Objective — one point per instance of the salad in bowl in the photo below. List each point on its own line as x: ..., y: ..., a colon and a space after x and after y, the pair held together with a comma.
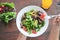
x: 7, y: 11
x: 32, y: 21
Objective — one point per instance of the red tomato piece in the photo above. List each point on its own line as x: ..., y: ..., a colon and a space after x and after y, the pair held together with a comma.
x: 34, y: 32
x: 1, y: 9
x: 42, y: 15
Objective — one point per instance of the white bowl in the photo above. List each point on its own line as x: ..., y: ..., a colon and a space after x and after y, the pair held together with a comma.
x: 21, y: 13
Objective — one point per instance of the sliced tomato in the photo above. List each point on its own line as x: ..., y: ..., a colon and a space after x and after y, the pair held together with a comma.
x: 1, y: 9
x: 34, y: 32
x: 24, y: 28
x: 42, y: 16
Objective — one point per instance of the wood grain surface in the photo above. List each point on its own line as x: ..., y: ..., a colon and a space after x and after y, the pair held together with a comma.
x: 10, y: 32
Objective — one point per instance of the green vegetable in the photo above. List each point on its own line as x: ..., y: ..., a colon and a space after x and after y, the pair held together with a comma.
x: 31, y: 24
x: 35, y: 22
x: 32, y: 10
x: 6, y: 17
x: 43, y: 23
x: 8, y: 4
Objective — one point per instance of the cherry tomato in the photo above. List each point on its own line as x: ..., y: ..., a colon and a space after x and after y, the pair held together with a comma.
x: 1, y: 9
x: 34, y: 32
x: 42, y: 15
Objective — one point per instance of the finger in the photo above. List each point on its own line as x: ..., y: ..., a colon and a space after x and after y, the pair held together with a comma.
x: 54, y: 19
x: 58, y: 19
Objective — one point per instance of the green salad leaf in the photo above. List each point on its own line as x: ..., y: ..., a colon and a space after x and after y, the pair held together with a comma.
x: 8, y: 4
x: 32, y: 22
x: 6, y: 17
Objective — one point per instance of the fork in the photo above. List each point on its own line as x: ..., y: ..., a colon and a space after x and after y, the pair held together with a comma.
x: 51, y: 16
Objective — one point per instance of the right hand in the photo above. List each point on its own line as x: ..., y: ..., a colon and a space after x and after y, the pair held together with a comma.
x: 56, y: 21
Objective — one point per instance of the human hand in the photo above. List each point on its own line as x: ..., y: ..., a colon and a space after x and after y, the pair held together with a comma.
x: 54, y: 34
x: 56, y: 21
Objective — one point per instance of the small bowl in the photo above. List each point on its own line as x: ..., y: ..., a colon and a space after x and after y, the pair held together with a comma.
x: 21, y: 13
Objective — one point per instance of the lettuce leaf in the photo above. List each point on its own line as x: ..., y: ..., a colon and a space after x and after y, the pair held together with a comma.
x: 8, y: 4
x: 6, y: 17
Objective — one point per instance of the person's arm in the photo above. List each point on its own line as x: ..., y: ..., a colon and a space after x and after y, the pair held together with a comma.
x: 21, y: 37
x: 54, y: 34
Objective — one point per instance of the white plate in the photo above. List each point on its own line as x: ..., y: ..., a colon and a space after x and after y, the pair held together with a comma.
x: 19, y: 16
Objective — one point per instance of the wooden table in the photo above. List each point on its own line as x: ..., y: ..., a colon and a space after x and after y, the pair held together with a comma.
x: 10, y: 32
